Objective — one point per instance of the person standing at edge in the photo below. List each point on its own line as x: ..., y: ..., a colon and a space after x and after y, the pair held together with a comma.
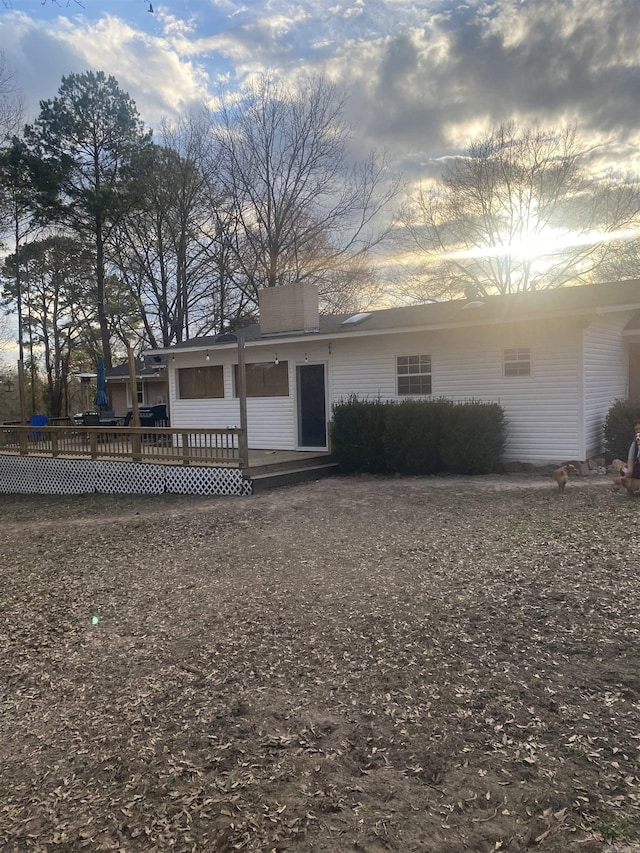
x: 632, y: 468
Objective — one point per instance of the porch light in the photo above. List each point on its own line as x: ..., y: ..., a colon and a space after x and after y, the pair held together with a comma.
x: 306, y: 358
x: 207, y: 356
x: 276, y: 359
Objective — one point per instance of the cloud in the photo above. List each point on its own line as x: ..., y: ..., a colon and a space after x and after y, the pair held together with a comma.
x: 428, y: 89
x: 423, y: 78
x: 150, y: 68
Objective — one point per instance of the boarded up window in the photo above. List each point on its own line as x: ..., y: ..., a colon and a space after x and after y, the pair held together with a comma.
x: 517, y: 361
x: 266, y: 379
x: 199, y: 383
x: 414, y: 374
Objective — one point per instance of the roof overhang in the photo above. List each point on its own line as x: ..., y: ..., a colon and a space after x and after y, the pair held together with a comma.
x: 617, y: 309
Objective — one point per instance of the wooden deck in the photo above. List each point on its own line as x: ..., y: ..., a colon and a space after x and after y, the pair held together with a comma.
x: 163, y: 445
x: 262, y: 461
x: 266, y: 468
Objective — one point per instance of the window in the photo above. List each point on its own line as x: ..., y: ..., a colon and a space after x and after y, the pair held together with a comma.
x: 139, y: 394
x: 199, y: 383
x: 414, y: 374
x: 517, y: 361
x: 265, y: 379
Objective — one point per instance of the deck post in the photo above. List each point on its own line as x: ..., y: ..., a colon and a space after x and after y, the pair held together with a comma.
x: 134, y: 387
x: 243, y: 438
x: 136, y: 437
x: 136, y: 446
x: 22, y: 392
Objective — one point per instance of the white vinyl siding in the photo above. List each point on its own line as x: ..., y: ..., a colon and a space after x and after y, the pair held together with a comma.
x: 553, y: 415
x: 271, y: 420
x: 467, y: 364
x: 605, y: 375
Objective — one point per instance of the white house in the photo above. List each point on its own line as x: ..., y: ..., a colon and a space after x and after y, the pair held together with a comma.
x: 554, y: 359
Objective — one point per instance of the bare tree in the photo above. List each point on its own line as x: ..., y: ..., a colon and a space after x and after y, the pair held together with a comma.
x: 518, y: 211
x: 175, y: 252
x: 11, y: 103
x: 622, y: 261
x: 304, y: 210
x: 7, y: 333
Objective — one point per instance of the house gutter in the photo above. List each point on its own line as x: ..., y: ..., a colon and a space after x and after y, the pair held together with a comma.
x: 614, y: 309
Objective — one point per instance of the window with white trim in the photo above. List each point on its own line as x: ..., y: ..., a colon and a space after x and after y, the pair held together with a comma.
x: 139, y: 394
x: 517, y: 361
x: 413, y: 374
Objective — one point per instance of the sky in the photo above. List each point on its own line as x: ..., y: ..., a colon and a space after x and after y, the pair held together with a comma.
x: 424, y: 77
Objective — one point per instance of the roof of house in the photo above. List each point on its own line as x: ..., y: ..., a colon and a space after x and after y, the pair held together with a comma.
x: 142, y: 372
x: 486, y: 310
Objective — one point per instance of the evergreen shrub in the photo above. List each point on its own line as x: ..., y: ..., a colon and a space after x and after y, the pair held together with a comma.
x: 418, y: 436
x: 618, y: 428
x: 412, y: 432
x: 357, y: 436
x: 473, y: 438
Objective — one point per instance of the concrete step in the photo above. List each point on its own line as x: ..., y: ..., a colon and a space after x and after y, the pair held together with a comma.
x: 289, y: 477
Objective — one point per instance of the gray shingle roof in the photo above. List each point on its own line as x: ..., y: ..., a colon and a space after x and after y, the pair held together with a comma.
x: 460, y: 312
x: 121, y: 371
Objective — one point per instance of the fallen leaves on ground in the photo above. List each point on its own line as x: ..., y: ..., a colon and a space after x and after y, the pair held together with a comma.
x: 368, y: 664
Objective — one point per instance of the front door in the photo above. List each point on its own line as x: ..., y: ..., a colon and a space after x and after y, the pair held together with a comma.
x: 312, y: 406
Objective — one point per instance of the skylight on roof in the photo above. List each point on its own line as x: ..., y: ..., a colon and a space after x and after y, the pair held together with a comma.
x: 356, y: 318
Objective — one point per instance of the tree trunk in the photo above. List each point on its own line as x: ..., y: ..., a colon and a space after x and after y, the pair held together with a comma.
x: 102, y: 313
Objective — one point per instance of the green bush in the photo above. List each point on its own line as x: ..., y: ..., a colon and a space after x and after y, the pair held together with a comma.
x: 357, y: 436
x: 618, y: 428
x: 411, y: 437
x: 418, y: 436
x: 473, y: 438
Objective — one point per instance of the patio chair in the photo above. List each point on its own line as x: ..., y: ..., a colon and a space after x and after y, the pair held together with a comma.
x: 37, y: 421
x: 89, y: 419
x: 108, y: 418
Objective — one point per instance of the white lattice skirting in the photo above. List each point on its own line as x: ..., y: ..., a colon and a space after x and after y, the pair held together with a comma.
x: 41, y: 476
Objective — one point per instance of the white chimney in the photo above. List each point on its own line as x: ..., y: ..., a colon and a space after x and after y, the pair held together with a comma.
x: 289, y: 308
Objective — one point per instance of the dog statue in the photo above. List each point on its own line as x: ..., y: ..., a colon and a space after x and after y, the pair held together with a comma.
x: 561, y: 475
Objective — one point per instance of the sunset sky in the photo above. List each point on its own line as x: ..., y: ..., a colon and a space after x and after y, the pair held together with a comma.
x: 423, y: 77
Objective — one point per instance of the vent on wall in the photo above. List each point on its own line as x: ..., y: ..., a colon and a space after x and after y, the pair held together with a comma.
x: 156, y: 360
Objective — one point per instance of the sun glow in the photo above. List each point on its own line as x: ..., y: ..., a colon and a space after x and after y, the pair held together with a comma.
x: 543, y: 245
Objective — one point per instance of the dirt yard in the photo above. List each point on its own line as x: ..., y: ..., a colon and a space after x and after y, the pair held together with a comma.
x: 366, y: 664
